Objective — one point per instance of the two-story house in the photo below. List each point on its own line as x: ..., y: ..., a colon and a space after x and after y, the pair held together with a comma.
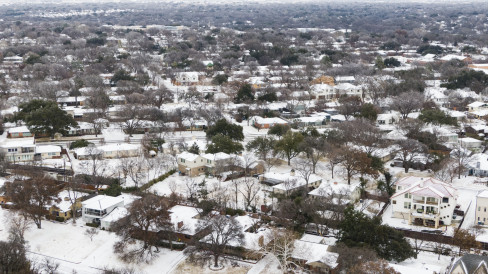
x: 424, y: 201
x: 18, y: 150
x: 98, y: 207
x: 481, y: 214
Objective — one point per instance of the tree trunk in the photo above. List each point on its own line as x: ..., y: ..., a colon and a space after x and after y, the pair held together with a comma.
x: 216, y: 262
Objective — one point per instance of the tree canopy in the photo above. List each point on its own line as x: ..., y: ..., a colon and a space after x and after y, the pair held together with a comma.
x: 227, y: 129
x: 45, y: 117
x: 359, y: 230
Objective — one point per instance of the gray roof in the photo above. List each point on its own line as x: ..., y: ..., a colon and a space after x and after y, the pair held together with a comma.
x: 471, y: 262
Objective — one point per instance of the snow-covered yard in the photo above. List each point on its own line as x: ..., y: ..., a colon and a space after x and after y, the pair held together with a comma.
x: 67, y: 245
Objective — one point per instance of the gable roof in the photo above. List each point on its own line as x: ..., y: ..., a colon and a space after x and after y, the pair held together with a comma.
x: 420, y: 186
x: 470, y: 263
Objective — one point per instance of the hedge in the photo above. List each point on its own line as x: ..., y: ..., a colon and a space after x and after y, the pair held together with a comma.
x: 157, y: 180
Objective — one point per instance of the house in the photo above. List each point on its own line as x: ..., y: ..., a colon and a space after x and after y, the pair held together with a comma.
x: 47, y: 152
x: 62, y: 206
x: 335, y: 195
x: 186, y: 78
x: 110, y: 151
x: 313, y: 121
x: 478, y: 165
x: 185, y: 220
x: 316, y: 257
x: 191, y: 164
x: 475, y: 106
x: 424, y: 201
x: 116, y: 214
x: 386, y: 119
x: 345, y: 79
x: 470, y: 264
x: 19, y: 132
x: 285, y: 183
x: 260, y: 122
x: 72, y: 101
x: 471, y: 144
x: 481, y: 215
x: 94, y: 209
x: 19, y: 150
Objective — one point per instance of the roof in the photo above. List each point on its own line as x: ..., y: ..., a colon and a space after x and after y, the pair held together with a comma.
x: 19, y: 142
x: 428, y: 187
x: 187, y: 156
x: 313, y: 252
x: 111, y: 147
x: 116, y: 214
x: 20, y: 129
x: 483, y: 194
x: 470, y: 262
x: 274, y: 120
x: 185, y: 214
x: 48, y: 148
x: 102, y: 202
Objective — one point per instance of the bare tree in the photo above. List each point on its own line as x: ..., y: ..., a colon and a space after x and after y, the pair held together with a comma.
x: 447, y: 170
x: 461, y: 157
x: 139, y: 230
x: 282, y: 245
x: 408, y: 151
x: 407, y: 102
x: 304, y: 168
x: 250, y: 188
x: 32, y: 197
x: 334, y: 158
x: 17, y: 228
x: 91, y: 232
x: 315, y: 148
x: 223, y: 232
x: 134, y: 168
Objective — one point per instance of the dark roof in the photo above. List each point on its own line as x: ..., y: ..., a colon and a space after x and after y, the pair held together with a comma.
x: 471, y: 262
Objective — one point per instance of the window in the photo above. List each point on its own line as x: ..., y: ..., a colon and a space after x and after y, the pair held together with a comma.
x: 407, y: 205
x: 485, y: 209
x: 182, y: 160
x: 479, y: 208
x: 408, y: 195
x: 394, y: 202
x: 445, y: 200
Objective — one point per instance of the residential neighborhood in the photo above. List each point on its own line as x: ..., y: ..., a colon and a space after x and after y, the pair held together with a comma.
x: 243, y: 137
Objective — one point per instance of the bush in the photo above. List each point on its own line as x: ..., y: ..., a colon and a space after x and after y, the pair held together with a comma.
x: 92, y: 224
x: 60, y: 219
x: 113, y: 190
x: 159, y: 179
x: 233, y: 212
x: 79, y: 143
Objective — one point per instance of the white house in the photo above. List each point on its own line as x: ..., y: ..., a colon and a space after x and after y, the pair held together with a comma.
x: 116, y: 214
x: 471, y: 143
x: 96, y: 208
x: 48, y: 152
x: 481, y: 214
x: 110, y: 151
x: 284, y: 183
x: 18, y: 150
x: 186, y: 78
x: 424, y: 201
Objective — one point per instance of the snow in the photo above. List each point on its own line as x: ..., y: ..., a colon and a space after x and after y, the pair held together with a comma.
x: 187, y: 215
x: 67, y: 245
x: 426, y: 261
x: 268, y: 265
x: 102, y: 202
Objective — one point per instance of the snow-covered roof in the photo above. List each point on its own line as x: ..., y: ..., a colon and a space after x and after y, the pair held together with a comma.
x: 20, y: 142
x: 116, y: 214
x: 107, y: 148
x: 101, y: 202
x: 313, y: 252
x: 20, y: 129
x: 273, y: 120
x: 186, y: 214
x: 427, y: 187
x: 187, y: 156
x: 48, y: 148
x: 483, y: 194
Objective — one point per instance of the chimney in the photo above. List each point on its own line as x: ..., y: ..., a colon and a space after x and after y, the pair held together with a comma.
x: 421, y: 182
x: 292, y: 172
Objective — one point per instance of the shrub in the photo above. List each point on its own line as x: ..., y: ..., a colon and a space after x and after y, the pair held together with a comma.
x: 79, y: 143
x: 92, y: 224
x: 60, y: 219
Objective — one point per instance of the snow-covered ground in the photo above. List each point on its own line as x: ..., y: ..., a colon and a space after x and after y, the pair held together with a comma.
x: 67, y: 245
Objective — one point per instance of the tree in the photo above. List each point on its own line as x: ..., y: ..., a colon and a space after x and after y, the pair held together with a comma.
x: 349, y: 106
x: 351, y: 256
x: 282, y: 244
x: 391, y: 62
x: 408, y: 151
x: 45, y: 117
x: 437, y: 117
x: 359, y: 230
x: 220, y: 79
x: 373, y: 267
x: 223, y: 232
x: 465, y: 241
x: 363, y: 133
x: 387, y: 185
x: 315, y: 147
x: 32, y: 197
x: 289, y: 145
x: 227, y: 129
x: 334, y: 157
x: 461, y: 157
x: 194, y: 149
x: 244, y: 94
x: 262, y: 147
x: 279, y: 130
x: 250, y: 188
x: 407, y: 102
x: 222, y: 143
x: 97, y: 121
x: 355, y: 162
x: 13, y: 258
x: 120, y: 75
x: 139, y: 229
x: 91, y: 232
x: 369, y: 111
